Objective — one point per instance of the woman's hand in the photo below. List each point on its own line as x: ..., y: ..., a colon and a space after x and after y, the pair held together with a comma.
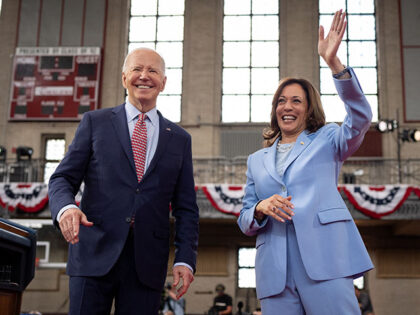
x: 276, y: 207
x: 328, y: 46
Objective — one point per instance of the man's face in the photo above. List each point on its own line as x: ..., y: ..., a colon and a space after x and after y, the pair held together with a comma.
x: 144, y: 78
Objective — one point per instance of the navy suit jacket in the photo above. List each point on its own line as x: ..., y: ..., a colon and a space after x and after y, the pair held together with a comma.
x: 102, y: 157
x: 328, y: 239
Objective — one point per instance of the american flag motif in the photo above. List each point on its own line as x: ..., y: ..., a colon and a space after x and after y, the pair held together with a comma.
x: 139, y: 145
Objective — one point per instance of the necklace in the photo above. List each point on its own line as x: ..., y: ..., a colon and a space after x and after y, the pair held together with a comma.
x: 284, y: 147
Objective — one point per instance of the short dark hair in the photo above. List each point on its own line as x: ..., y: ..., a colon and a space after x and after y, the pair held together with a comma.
x: 220, y: 287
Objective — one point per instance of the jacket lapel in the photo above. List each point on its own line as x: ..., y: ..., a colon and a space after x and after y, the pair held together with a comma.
x: 270, y: 161
x: 301, y: 143
x: 119, y: 121
x: 165, y: 134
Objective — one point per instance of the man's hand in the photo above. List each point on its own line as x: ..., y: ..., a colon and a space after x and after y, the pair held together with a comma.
x: 70, y: 223
x: 187, y: 277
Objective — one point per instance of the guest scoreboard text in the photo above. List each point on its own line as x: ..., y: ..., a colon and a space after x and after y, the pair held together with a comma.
x: 54, y: 83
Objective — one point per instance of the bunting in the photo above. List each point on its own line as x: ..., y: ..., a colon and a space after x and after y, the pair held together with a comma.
x: 373, y: 201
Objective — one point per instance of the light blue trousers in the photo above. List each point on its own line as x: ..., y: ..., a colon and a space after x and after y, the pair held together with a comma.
x: 304, y: 296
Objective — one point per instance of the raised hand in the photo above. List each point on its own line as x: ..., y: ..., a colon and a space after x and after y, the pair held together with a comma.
x: 328, y: 46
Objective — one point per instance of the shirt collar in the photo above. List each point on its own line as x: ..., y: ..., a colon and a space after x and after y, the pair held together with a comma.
x: 132, y: 113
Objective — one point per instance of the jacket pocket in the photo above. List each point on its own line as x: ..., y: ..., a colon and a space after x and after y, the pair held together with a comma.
x: 334, y: 215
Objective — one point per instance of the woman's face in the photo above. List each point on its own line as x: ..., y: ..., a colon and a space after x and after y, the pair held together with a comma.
x: 291, y: 111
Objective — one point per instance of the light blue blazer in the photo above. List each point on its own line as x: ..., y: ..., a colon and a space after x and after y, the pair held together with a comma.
x: 328, y: 239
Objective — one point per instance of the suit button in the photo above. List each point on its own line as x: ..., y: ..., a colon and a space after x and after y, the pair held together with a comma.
x: 137, y: 191
x: 128, y: 219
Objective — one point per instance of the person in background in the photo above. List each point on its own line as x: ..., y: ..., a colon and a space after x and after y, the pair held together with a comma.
x: 364, y: 301
x: 222, y: 303
x: 308, y: 246
x: 172, y: 305
x: 136, y: 166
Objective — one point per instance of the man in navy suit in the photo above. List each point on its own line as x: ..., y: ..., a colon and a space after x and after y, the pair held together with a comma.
x: 119, y: 236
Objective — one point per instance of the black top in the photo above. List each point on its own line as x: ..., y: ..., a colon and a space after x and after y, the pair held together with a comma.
x: 221, y: 302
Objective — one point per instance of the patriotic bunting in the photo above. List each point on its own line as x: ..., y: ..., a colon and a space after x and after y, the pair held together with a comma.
x: 373, y: 201
x: 29, y: 197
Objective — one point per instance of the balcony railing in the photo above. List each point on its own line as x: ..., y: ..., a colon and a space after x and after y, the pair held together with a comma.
x: 371, y: 171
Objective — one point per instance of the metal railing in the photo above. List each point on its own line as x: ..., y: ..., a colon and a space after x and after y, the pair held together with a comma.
x: 371, y: 171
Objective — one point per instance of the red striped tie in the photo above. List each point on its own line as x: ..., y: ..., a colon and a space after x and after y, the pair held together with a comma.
x: 139, y: 145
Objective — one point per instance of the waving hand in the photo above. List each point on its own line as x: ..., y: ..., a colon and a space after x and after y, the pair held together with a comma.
x: 328, y: 46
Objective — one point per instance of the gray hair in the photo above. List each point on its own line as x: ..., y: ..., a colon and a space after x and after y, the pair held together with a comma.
x: 124, y: 67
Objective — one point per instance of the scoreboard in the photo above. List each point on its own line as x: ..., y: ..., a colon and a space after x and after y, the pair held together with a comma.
x: 54, y: 83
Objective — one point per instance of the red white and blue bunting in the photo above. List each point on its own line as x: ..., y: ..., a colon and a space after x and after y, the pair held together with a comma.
x: 225, y: 198
x: 29, y: 197
x: 374, y: 201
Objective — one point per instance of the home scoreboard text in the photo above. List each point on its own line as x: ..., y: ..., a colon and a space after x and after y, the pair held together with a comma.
x: 54, y: 83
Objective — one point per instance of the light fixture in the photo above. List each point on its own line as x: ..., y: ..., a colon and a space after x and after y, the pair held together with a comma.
x: 24, y: 153
x: 387, y: 125
x: 410, y: 135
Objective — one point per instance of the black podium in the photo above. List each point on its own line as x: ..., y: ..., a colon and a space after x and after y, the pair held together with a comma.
x: 17, y: 264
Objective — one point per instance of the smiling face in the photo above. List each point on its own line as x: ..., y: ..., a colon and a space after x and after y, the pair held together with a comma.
x: 144, y: 78
x: 291, y: 112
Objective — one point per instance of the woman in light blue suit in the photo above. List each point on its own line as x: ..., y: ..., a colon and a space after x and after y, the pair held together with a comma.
x: 308, y: 246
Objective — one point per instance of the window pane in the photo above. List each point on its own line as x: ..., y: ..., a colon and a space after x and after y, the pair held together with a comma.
x: 236, y: 54
x: 246, y: 257
x: 373, y: 101
x: 170, y: 106
x: 368, y: 80
x: 142, y: 29
x: 362, y: 54
x: 360, y: 6
x: 171, y: 53
x: 333, y: 108
x: 173, y: 81
x: 265, y: 54
x: 49, y: 170
x: 171, y: 7
x: 265, y: 7
x: 330, y: 6
x: 361, y: 27
x: 236, y: 27
x: 235, y: 81
x: 170, y: 28
x: 264, y: 81
x: 327, y: 82
x: 133, y: 46
x: 237, y: 7
x: 143, y: 7
x: 235, y: 108
x: 265, y: 28
x: 54, y: 149
x: 246, y: 278
x: 261, y: 108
